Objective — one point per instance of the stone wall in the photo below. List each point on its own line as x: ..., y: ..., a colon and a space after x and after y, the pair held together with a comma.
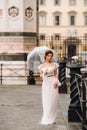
x: 18, y: 31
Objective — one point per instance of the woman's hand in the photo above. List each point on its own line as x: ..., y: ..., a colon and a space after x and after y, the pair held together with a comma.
x: 46, y: 72
x: 55, y: 85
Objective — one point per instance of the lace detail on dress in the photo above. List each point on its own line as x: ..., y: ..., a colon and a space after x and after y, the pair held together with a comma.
x: 49, y: 94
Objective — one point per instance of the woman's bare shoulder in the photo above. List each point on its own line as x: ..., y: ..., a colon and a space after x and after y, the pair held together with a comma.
x: 55, y: 64
x: 41, y: 65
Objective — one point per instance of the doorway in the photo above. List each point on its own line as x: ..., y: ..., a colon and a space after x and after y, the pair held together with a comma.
x: 71, y: 50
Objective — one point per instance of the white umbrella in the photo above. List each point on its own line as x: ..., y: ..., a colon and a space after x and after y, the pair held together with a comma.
x: 74, y: 57
x: 36, y: 57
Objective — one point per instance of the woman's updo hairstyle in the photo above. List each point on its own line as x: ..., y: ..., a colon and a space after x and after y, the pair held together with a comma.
x: 48, y: 52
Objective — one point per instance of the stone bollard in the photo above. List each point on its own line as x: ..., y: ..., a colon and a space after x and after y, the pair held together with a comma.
x: 31, y: 80
x: 62, y: 76
x: 74, y: 95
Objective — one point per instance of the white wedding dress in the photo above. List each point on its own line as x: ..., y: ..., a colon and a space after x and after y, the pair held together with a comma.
x: 49, y: 95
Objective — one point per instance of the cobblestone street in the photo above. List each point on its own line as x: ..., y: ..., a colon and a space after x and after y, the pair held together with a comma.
x: 21, y: 109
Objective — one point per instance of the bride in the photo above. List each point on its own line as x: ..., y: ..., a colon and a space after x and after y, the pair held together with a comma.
x: 49, y: 74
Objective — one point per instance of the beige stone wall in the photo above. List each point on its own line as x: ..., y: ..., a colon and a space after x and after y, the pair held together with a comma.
x: 17, y: 44
x: 29, y: 43
x: 30, y: 24
x: 19, y: 23
x: 13, y: 19
x: 64, y: 28
x: 13, y: 72
x: 17, y: 36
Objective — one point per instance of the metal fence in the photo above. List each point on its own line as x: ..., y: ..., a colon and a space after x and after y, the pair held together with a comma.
x: 70, y: 48
x: 13, y: 73
x: 67, y: 46
x: 17, y: 74
x: 80, y: 91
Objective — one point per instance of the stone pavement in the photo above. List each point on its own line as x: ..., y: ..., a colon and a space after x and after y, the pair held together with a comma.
x: 21, y: 109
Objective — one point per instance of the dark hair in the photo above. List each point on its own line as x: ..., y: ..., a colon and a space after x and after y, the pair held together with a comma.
x: 48, y: 52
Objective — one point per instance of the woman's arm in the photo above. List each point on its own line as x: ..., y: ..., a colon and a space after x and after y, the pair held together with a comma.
x: 56, y: 73
x: 41, y: 74
x: 56, y: 78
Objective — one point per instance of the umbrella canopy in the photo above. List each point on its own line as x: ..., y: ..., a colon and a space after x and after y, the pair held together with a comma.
x: 36, y: 57
x: 74, y: 57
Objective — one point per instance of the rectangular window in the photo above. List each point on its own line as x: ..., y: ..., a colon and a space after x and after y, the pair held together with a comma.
x: 0, y: 12
x: 85, y: 2
x: 57, y: 2
x: 42, y: 20
x: 85, y: 20
x: 56, y: 37
x: 72, y: 2
x: 57, y: 20
x: 72, y: 20
x: 42, y: 36
x: 85, y: 36
x: 42, y: 2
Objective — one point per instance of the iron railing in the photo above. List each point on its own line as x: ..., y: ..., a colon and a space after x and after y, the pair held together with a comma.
x: 83, y: 100
x: 67, y: 46
x: 13, y: 73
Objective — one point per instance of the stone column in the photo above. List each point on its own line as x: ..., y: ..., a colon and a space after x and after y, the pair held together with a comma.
x: 18, y: 32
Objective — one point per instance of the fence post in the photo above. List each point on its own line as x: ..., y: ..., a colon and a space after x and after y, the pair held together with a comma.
x: 74, y: 95
x: 62, y: 77
x: 1, y: 73
x: 31, y: 80
x: 83, y: 102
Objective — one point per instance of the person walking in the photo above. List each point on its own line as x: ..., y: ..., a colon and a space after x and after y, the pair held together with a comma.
x: 49, y: 73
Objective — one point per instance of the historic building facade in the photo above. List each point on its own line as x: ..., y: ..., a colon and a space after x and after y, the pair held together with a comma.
x: 60, y: 20
x: 18, y: 23
x: 18, y: 31
x: 60, y: 17
x: 60, y: 24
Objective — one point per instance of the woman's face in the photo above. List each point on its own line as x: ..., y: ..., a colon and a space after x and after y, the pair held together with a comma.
x: 49, y: 57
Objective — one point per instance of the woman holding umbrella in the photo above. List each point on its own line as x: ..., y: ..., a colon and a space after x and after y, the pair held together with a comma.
x: 49, y: 73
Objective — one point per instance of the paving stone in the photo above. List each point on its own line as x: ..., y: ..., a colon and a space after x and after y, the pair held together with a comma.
x: 21, y: 109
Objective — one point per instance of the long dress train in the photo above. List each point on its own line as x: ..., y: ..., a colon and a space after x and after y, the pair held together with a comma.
x: 49, y: 95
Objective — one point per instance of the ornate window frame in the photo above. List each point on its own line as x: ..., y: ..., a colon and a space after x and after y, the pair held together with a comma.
x: 42, y: 2
x: 72, y: 13
x: 72, y: 2
x: 57, y: 13
x: 85, y: 18
x: 57, y: 2
x: 43, y: 14
x: 85, y: 2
